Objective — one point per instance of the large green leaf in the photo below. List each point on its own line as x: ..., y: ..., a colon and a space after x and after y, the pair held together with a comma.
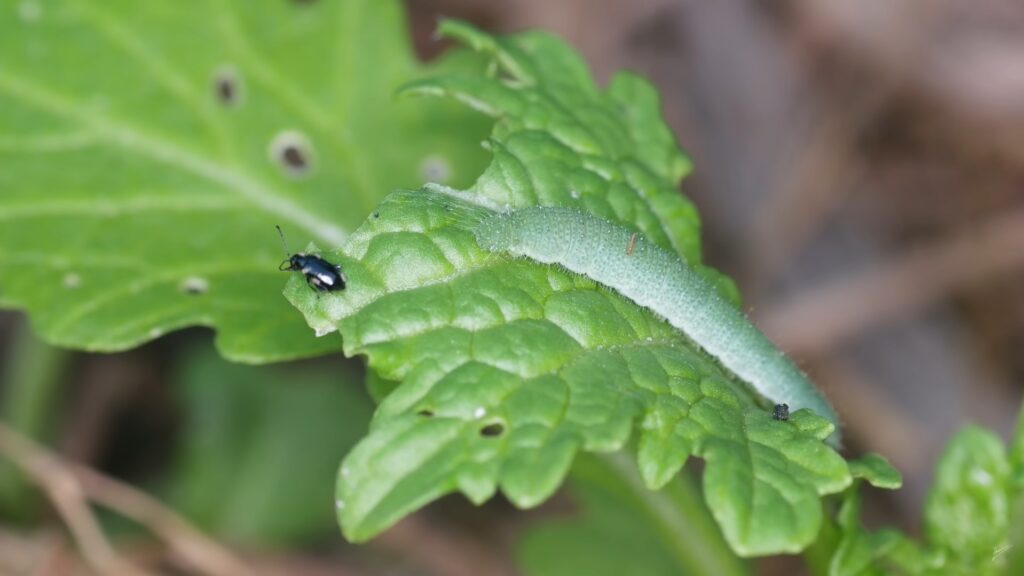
x: 507, y: 368
x: 144, y: 153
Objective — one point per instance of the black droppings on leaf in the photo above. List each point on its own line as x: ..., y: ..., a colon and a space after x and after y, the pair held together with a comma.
x: 426, y: 413
x: 492, y: 430
x: 781, y: 412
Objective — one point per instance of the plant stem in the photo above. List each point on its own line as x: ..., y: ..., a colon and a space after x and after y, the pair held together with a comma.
x: 29, y: 389
x: 818, y: 555
x: 32, y: 380
x: 681, y: 518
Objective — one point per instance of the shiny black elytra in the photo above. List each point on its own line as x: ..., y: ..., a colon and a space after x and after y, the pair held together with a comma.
x: 321, y: 275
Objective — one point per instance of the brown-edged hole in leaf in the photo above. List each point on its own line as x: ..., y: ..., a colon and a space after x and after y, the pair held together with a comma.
x: 293, y: 153
x: 194, y: 286
x: 492, y: 430
x: 435, y: 169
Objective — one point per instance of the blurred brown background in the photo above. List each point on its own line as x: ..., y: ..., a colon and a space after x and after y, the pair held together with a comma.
x: 860, y: 173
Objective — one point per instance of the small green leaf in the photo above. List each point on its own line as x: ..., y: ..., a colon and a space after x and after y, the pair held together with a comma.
x: 858, y: 550
x: 506, y: 369
x: 968, y: 508
x: 877, y: 471
x: 148, y: 149
x: 1017, y: 455
x: 967, y: 517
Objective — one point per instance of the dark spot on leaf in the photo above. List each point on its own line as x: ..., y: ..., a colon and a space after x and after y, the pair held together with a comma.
x: 781, y: 412
x: 492, y: 430
x: 294, y: 158
x: 376, y: 215
x: 293, y: 153
x: 227, y: 86
x: 426, y: 413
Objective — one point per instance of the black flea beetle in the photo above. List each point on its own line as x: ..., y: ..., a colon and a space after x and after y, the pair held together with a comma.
x: 321, y: 274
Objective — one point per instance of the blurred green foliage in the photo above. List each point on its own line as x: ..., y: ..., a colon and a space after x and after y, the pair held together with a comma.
x: 260, y: 446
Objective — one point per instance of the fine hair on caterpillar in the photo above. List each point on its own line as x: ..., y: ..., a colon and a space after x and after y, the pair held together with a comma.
x: 660, y: 281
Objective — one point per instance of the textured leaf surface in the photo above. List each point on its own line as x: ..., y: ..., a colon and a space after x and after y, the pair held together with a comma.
x: 145, y: 151
x: 507, y: 368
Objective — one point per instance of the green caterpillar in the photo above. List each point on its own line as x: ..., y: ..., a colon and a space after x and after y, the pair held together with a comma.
x: 658, y: 280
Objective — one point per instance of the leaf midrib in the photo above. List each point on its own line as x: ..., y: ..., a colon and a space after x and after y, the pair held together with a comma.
x: 135, y: 140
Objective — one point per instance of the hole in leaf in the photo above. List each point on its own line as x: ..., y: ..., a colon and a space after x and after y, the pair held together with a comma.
x: 293, y: 153
x: 30, y: 10
x: 493, y: 430
x: 194, y: 285
x: 435, y: 169
x: 227, y: 86
x: 294, y: 157
x: 72, y: 281
x: 426, y: 413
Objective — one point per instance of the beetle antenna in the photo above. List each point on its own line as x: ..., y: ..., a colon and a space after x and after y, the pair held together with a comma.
x: 283, y: 243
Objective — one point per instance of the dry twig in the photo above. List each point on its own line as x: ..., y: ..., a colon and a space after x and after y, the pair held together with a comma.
x: 68, y: 498
x: 813, y: 323
x: 69, y: 486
